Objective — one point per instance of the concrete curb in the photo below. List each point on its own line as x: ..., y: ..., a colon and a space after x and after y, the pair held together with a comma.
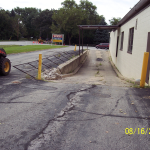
x: 77, y: 69
x: 118, y: 73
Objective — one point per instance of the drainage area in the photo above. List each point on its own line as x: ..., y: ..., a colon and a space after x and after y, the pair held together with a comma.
x: 49, y: 62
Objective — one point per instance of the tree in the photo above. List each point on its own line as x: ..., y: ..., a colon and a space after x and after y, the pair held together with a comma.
x: 90, y: 17
x: 27, y: 16
x: 114, y: 21
x: 66, y: 19
x: 43, y: 23
x: 5, y: 25
x: 12, y: 13
x: 101, y: 36
x: 89, y: 13
x: 32, y: 22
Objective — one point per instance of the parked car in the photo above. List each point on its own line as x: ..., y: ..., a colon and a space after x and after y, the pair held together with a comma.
x: 103, y: 46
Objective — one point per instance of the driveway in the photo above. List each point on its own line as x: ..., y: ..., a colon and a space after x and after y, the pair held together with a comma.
x: 82, y: 112
x: 97, y: 70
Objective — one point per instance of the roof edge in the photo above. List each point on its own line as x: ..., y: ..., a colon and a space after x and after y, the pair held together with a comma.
x: 135, y: 10
x: 97, y: 26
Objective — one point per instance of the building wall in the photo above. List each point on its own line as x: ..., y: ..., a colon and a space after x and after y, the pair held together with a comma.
x: 130, y: 65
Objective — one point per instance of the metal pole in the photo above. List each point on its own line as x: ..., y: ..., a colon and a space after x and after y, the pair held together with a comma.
x: 40, y: 67
x: 144, y: 69
x: 79, y: 41
x: 82, y: 41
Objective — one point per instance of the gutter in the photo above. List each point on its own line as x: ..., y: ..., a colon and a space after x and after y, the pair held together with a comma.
x: 142, y: 4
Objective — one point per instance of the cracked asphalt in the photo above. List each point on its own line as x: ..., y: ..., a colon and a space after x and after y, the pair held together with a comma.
x: 38, y: 115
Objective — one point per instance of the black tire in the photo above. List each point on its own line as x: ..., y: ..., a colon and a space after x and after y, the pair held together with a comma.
x: 5, y: 66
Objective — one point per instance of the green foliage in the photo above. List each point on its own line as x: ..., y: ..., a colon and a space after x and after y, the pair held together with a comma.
x: 97, y: 72
x: 114, y: 21
x: 89, y: 13
x: 66, y: 19
x: 101, y: 36
x: 24, y: 23
x: 6, y: 29
x: 27, y: 16
x: 90, y: 17
x: 43, y: 22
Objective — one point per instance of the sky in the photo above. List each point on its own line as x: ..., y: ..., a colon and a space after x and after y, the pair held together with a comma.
x: 107, y: 8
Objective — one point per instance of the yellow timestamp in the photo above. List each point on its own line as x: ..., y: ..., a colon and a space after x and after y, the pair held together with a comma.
x: 131, y: 131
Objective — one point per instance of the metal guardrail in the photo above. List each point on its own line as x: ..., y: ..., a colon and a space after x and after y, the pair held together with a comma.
x: 52, y: 61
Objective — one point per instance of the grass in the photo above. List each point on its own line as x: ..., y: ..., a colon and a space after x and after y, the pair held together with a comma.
x: 73, y: 56
x: 27, y: 76
x: 58, y: 55
x: 138, y: 86
x: 130, y: 81
x: 97, y: 72
x: 71, y: 71
x: 12, y: 49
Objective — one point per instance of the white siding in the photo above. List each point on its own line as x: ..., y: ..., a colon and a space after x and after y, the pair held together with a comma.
x: 130, y: 65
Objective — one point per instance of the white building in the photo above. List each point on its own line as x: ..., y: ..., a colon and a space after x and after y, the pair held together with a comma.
x: 130, y: 40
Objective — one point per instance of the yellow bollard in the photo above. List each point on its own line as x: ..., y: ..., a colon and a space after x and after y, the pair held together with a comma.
x: 144, y: 69
x: 40, y: 67
x: 75, y: 48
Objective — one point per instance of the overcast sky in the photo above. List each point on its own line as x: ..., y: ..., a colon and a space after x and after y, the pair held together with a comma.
x: 107, y: 8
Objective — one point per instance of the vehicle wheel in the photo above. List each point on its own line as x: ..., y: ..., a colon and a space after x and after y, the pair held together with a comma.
x: 5, y: 66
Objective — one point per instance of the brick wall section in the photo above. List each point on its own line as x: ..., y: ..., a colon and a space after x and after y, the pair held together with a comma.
x: 130, y: 65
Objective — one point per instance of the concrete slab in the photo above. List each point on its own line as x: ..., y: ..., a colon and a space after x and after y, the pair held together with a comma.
x: 97, y: 70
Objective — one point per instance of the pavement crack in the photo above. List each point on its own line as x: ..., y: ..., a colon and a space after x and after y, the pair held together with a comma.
x: 37, y: 135
x: 61, y: 114
x: 49, y: 131
x: 17, y: 103
x: 16, y: 98
x: 106, y: 115
x: 117, y: 102
x: 41, y: 87
x: 81, y: 90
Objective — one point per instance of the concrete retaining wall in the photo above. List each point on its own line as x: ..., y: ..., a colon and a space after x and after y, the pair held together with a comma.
x: 71, y: 65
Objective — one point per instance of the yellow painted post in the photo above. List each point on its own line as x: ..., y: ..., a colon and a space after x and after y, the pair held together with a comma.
x: 144, y: 69
x: 75, y: 48
x: 40, y: 67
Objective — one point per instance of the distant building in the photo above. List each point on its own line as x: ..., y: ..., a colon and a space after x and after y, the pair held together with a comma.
x: 130, y: 40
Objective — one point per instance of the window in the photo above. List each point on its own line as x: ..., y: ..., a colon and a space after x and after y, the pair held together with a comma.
x: 117, y: 46
x: 122, y: 37
x: 130, y: 46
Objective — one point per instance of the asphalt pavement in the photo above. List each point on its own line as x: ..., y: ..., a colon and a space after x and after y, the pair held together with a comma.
x: 38, y: 115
